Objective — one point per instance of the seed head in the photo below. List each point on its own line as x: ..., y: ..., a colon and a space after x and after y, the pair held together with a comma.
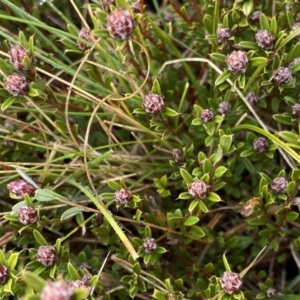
x: 122, y: 196
x: 271, y: 292
x: 278, y: 185
x: 294, y: 61
x: 149, y: 245
x: 59, y: 290
x: 17, y: 54
x: 224, y: 108
x: 84, y: 34
x: 255, y: 16
x: 295, y: 110
x: 198, y: 189
x: 46, y: 255
x: 282, y: 75
x: 120, y: 24
x: 16, y: 85
x: 223, y: 33
x: 206, y: 115
x: 294, y: 27
x: 178, y: 156
x: 230, y: 282
x: 20, y: 188
x: 153, y: 103
x: 27, y: 215
x: 252, y: 98
x: 4, y: 274
x: 265, y: 39
x: 237, y: 62
x: 260, y: 144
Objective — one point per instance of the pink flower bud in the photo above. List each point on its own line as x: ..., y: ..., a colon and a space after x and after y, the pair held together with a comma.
x: 20, y: 188
x: 122, y: 196
x: 16, y: 85
x: 17, y: 54
x: 153, y: 103
x: 46, y: 255
x: 120, y: 24
x: 59, y: 290
x: 230, y: 282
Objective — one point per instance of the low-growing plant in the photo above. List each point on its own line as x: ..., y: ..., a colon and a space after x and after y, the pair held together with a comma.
x: 150, y: 150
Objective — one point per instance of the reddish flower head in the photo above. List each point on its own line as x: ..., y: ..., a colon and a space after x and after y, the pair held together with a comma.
x: 4, y: 274
x: 84, y: 34
x: 46, y: 255
x: 206, y: 115
x: 230, y: 282
x: 17, y: 54
x: 20, y: 188
x: 260, y: 144
x: 153, y: 103
x: 237, y: 62
x: 120, y: 24
x: 149, y: 245
x: 122, y: 196
x: 282, y: 75
x: 198, y: 189
x: 265, y: 39
x: 59, y: 290
x: 223, y: 33
x: 278, y: 185
x: 27, y: 215
x: 16, y: 85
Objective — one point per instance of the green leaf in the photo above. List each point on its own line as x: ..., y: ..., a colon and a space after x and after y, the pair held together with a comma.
x: 226, y: 264
x: 73, y: 273
x: 210, y: 128
x: 44, y: 195
x: 203, y: 207
x: 136, y: 268
x: 36, y: 282
x: 39, y: 238
x: 197, y: 232
x: 289, y: 136
x: 248, y: 45
x: 258, y: 61
x: 7, y: 103
x: 292, y: 216
x: 192, y: 220
x: 193, y: 205
x: 273, y: 26
x: 156, y: 87
x: 213, y: 197
x: 226, y: 142
x: 12, y: 261
x: 220, y: 171
x: 223, y: 77
x: 170, y: 112
x: 284, y: 118
x: 264, y: 24
x: 247, y: 7
x: 114, y: 185
x: 186, y: 176
x: 2, y: 258
x: 218, y: 57
x: 71, y: 212
x: 295, y: 174
x: 185, y: 196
